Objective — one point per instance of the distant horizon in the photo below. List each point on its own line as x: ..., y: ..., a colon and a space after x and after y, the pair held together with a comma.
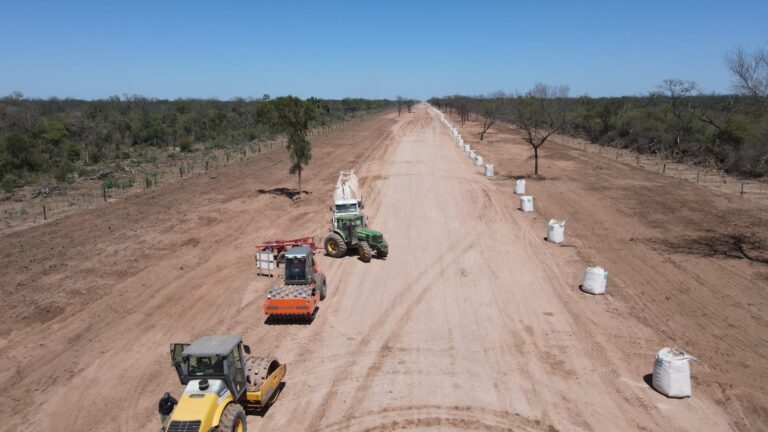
x: 89, y: 50
x: 125, y: 97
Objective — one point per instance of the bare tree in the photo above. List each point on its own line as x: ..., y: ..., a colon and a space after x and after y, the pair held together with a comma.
x: 293, y: 118
x: 679, y: 91
x: 750, y: 70
x: 410, y: 103
x: 491, y: 108
x: 462, y: 107
x: 539, y: 114
x: 400, y: 102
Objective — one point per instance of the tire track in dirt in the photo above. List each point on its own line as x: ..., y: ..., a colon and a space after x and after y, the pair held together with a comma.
x: 377, y: 327
x: 436, y: 416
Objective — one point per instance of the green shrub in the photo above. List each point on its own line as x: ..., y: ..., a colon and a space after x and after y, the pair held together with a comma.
x: 73, y: 152
x: 185, y: 145
x: 63, y: 172
x: 10, y: 182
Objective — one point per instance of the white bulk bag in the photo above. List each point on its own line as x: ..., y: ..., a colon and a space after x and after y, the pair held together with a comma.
x: 520, y: 187
x: 671, y: 373
x: 479, y: 160
x: 466, y: 148
x: 472, y: 154
x: 595, y: 280
x: 556, y: 231
x: 489, y: 170
x: 526, y: 203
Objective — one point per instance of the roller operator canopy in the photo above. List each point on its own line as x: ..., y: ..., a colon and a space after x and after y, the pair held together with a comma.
x: 207, y: 346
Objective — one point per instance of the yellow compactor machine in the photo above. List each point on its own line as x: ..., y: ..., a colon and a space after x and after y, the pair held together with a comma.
x: 223, y: 382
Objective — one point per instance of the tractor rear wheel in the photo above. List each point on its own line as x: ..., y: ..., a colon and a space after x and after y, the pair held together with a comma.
x: 320, y: 281
x: 365, y: 251
x: 335, y: 246
x: 233, y: 419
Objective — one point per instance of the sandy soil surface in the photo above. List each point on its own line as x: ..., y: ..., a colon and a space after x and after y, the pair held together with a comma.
x: 472, y: 322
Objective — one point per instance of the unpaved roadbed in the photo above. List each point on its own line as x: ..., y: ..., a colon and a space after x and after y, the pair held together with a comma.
x: 472, y: 322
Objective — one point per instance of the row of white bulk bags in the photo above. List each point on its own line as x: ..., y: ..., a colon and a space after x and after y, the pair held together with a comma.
x: 468, y: 150
x: 556, y: 231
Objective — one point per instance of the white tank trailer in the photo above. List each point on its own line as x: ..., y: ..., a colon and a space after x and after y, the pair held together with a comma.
x: 347, y: 198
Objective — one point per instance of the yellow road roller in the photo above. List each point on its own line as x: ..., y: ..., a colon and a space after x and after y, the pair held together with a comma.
x: 224, y: 382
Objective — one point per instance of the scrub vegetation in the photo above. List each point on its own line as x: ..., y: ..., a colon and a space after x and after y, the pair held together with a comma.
x: 675, y: 120
x: 59, y: 140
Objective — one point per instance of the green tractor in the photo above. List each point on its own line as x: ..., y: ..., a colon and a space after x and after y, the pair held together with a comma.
x: 350, y: 231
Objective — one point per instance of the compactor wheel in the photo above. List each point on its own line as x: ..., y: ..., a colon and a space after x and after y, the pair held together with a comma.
x: 365, y: 251
x: 335, y: 246
x: 233, y: 419
x: 321, y: 285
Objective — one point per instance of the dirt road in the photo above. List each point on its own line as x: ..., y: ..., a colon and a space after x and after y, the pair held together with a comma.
x: 472, y: 322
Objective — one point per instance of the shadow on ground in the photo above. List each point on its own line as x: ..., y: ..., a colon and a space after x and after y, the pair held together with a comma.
x: 738, y: 246
x: 286, y: 192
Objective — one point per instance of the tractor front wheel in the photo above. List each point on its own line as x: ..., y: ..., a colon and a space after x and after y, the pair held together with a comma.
x: 233, y: 419
x: 335, y: 246
x: 365, y: 251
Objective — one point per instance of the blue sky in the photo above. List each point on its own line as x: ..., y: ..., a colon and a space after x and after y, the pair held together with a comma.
x: 334, y: 49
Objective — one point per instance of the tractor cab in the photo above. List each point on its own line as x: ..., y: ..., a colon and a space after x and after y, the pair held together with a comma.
x: 348, y: 226
x: 299, y: 266
x: 212, y: 362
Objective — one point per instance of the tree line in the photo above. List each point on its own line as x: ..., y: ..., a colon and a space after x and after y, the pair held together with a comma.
x: 675, y: 120
x: 52, y: 138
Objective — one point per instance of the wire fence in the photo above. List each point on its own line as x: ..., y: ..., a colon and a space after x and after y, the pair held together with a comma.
x: 707, y: 177
x: 53, y: 203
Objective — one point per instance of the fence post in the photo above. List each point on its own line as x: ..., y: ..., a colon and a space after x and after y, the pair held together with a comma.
x: 697, y: 176
x: 147, y: 181
x: 638, y: 160
x: 181, y: 171
x: 45, y: 215
x: 664, y: 169
x: 742, y: 190
x: 104, y: 191
x: 617, y: 154
x: 206, y: 166
x: 585, y: 146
